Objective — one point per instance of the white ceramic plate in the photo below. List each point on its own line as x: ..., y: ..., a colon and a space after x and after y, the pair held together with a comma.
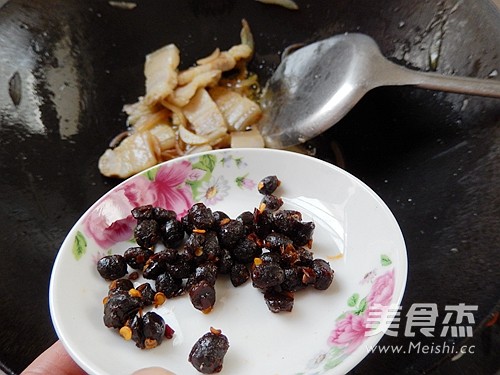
x: 326, y: 333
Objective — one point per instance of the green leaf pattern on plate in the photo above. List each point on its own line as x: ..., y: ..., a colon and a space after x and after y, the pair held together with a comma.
x: 79, y: 245
x: 385, y: 260
x: 206, y: 163
x: 353, y: 300
x: 361, y: 307
x: 151, y: 174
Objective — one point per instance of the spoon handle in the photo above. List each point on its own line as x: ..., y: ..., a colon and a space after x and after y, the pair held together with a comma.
x: 455, y: 84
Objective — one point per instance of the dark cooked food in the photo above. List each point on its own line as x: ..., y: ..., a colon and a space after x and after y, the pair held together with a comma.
x: 207, y: 272
x: 225, y: 261
x: 267, y: 275
x: 269, y: 246
x: 264, y: 223
x: 172, y: 233
x: 136, y: 257
x: 270, y: 202
x: 142, y: 212
x: 163, y: 215
x: 202, y: 295
x: 293, y: 280
x: 112, y: 267
x: 230, y: 233
x: 194, y: 243
x: 153, y: 327
x: 239, y: 274
x: 277, y: 242
x: 154, y: 267
x: 169, y: 286
x: 119, y: 308
x: 324, y: 274
x: 147, y: 294
x: 289, y: 222
x: 207, y: 354
x: 278, y: 301
x: 200, y: 216
x: 120, y: 286
x: 146, y: 331
x: 147, y: 233
x: 268, y: 185
x: 246, y: 250
x: 247, y: 220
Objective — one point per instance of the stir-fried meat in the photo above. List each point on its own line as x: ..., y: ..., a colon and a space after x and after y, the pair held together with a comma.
x: 239, y: 111
x: 178, y: 115
x: 204, y: 115
x: 161, y: 73
x: 133, y: 155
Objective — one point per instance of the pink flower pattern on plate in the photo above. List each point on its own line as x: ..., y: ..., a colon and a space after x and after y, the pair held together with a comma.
x: 111, y: 221
x: 351, y: 328
x: 248, y: 184
x: 349, y: 332
x: 382, y: 290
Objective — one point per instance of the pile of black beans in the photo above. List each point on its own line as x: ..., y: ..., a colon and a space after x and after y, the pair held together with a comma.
x: 123, y: 310
x: 269, y: 246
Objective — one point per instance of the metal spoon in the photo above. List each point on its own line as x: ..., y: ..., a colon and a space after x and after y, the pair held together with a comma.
x: 315, y: 86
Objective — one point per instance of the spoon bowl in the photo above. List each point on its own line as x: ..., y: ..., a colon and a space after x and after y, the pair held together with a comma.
x: 317, y: 85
